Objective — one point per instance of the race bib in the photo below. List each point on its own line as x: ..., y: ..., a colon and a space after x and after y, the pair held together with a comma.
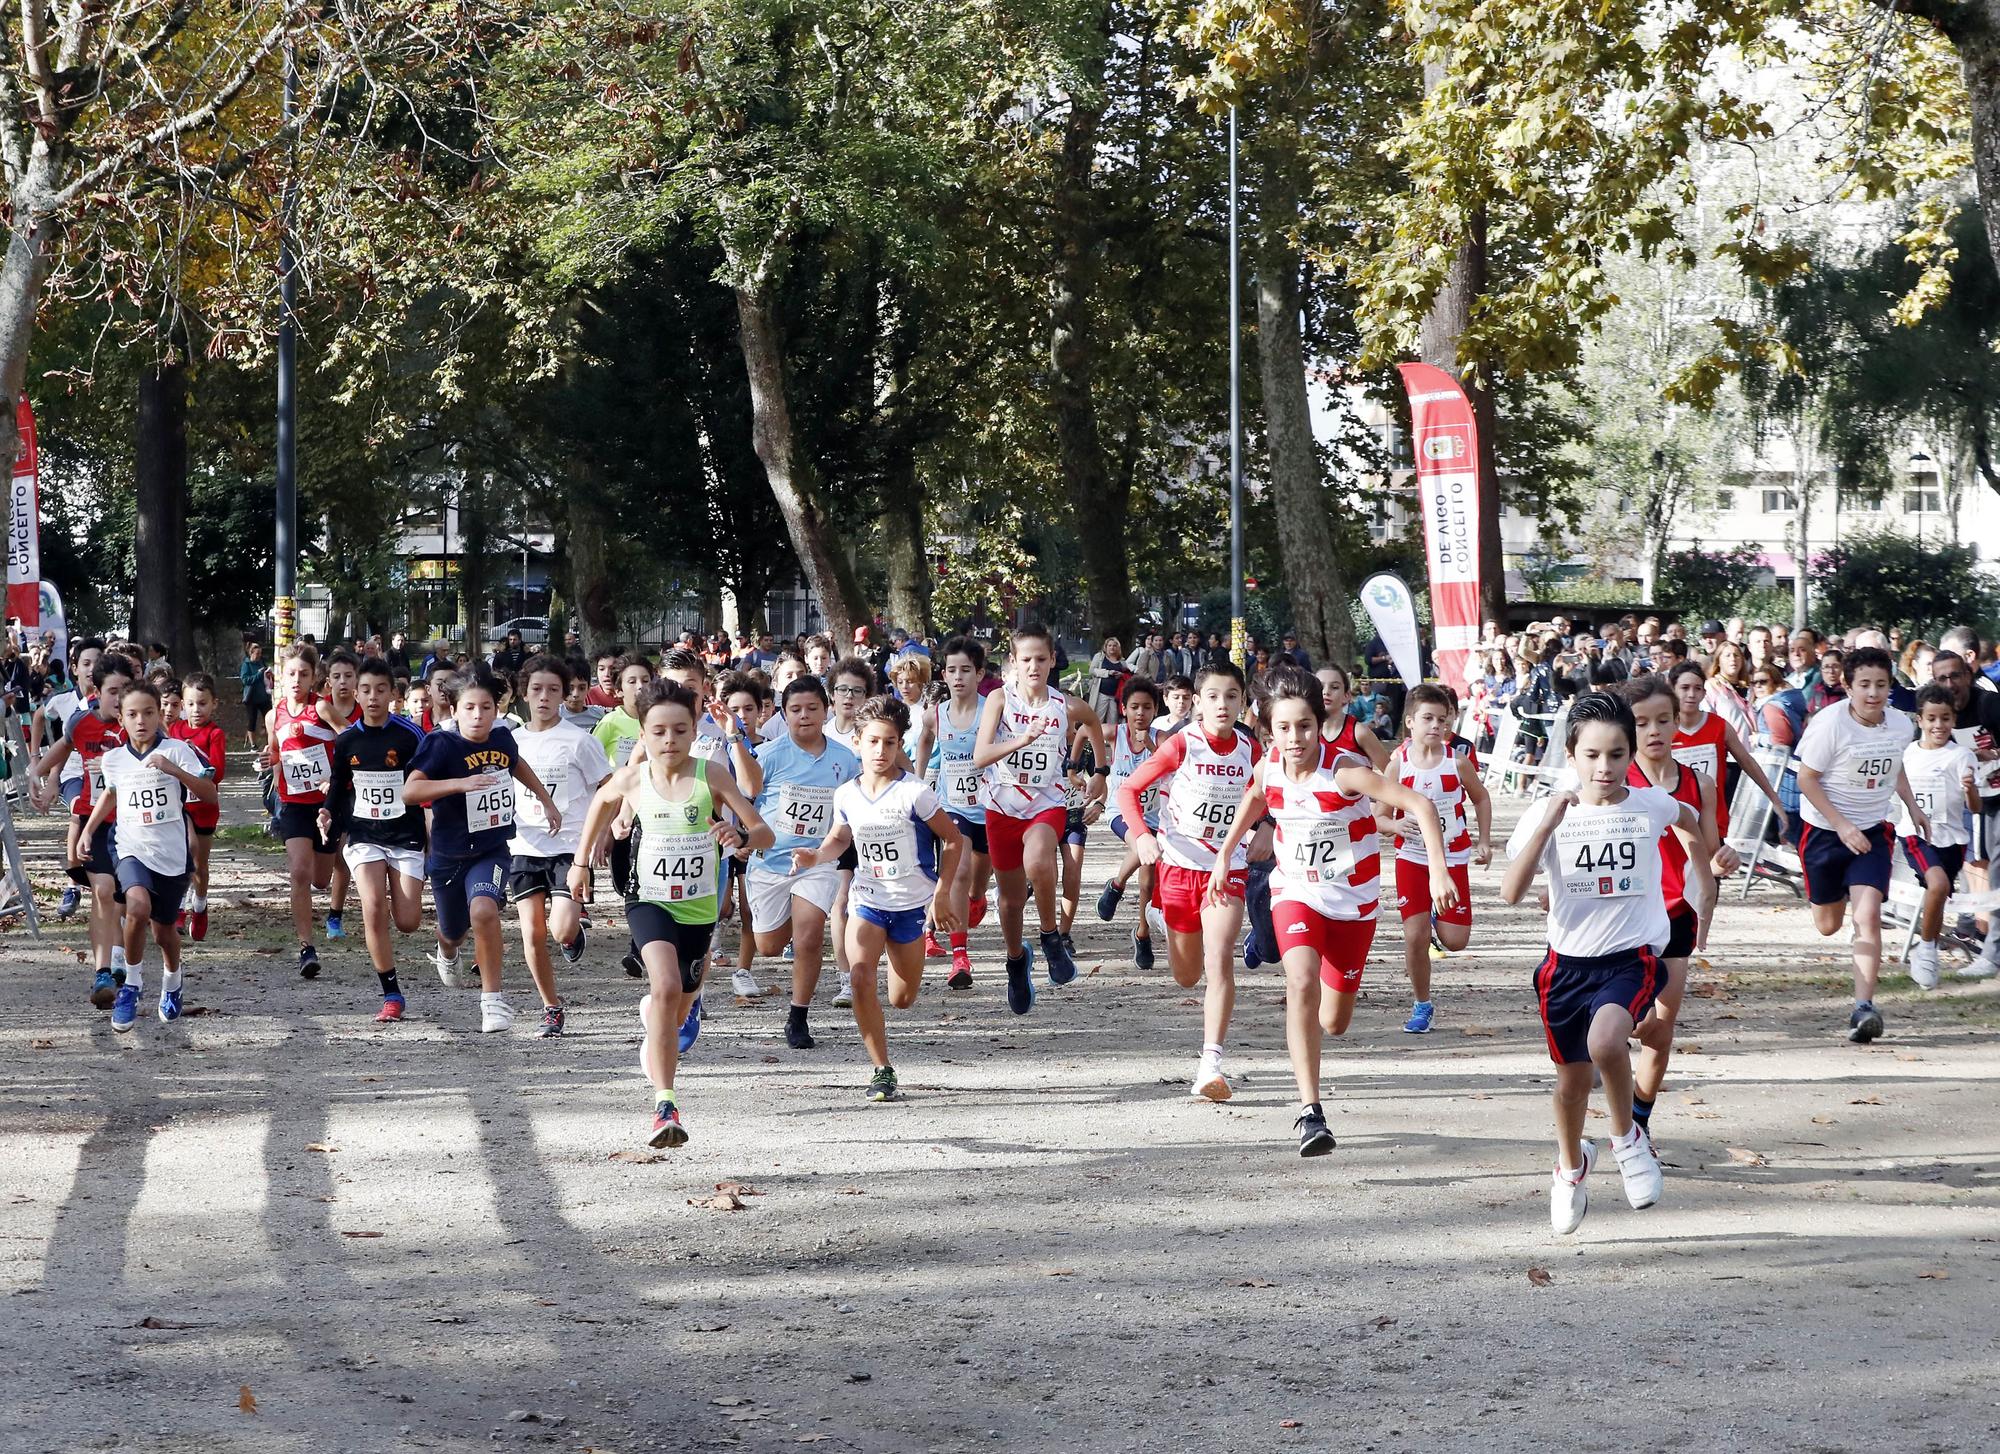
x: 804, y: 812
x: 1320, y: 852
x: 1870, y: 769
x: 961, y: 782
x: 378, y: 796
x: 887, y: 853
x: 1598, y: 855
x: 1985, y: 774
x: 676, y: 866
x: 306, y: 769
x: 146, y: 798
x: 95, y: 772
x: 1205, y: 807
x: 487, y: 809
x: 1701, y: 757
x: 1032, y: 767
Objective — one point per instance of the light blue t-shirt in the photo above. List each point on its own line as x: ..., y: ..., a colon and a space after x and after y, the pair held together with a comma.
x: 797, y: 797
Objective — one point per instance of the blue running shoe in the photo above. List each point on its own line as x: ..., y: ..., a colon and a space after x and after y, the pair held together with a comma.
x: 1142, y: 950
x: 1419, y: 1022
x: 1251, y: 959
x: 691, y: 1026
x: 170, y: 1006
x: 72, y: 896
x: 787, y: 955
x: 125, y: 1009
x: 1056, y: 955
x: 333, y: 927
x: 104, y: 989
x: 1107, y: 901
x: 1020, y: 983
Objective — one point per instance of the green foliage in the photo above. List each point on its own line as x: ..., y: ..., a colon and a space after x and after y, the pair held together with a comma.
x: 1704, y: 584
x: 1887, y: 579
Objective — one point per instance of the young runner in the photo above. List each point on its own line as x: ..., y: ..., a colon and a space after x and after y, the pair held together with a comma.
x: 87, y: 736
x: 170, y: 705
x: 300, y: 750
x: 1850, y: 768
x: 744, y: 704
x: 679, y: 806
x: 793, y: 780
x: 1704, y: 741
x: 1131, y: 744
x: 1078, y: 816
x: 1943, y: 776
x: 46, y: 730
x: 789, y: 668
x: 340, y: 710
x: 1425, y: 763
x: 1687, y: 878
x: 1022, y: 731
x: 466, y: 778
x: 906, y: 851
x: 852, y: 684
x: 1207, y: 768
x: 1343, y: 728
x: 381, y: 836
x: 951, y: 735
x: 1607, y: 923
x: 1326, y: 885
x: 199, y: 729
x: 147, y: 781
x: 616, y: 734
x: 1177, y: 697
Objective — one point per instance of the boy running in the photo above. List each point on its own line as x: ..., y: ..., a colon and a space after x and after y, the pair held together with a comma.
x: 88, y: 735
x: 301, y: 751
x: 340, y: 710
x: 951, y: 731
x: 381, y: 835
x: 46, y: 731
x: 1131, y: 744
x: 1943, y: 777
x: 1850, y: 768
x: 199, y: 730
x: 147, y: 781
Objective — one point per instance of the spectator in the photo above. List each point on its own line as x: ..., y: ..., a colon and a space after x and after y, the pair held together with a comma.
x: 1290, y: 650
x: 1712, y: 637
x: 1803, y: 653
x: 1108, y: 671
x: 256, y: 679
x: 511, y: 656
x: 1832, y: 684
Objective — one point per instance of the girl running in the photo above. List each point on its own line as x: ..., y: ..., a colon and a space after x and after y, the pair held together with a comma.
x: 199, y: 729
x: 1131, y: 744
x: 87, y: 736
x: 678, y: 804
x: 300, y: 751
x: 852, y: 684
x: 339, y: 710
x: 1327, y: 882
x: 1207, y: 770
x: 951, y: 734
x: 1705, y: 742
x: 906, y: 851
x: 1022, y: 732
x: 1343, y: 729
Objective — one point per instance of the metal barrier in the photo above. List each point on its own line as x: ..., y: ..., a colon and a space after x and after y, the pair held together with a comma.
x: 1751, y: 816
x: 17, y: 894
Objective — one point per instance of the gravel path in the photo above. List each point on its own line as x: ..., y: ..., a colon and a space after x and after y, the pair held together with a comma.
x: 275, y: 1228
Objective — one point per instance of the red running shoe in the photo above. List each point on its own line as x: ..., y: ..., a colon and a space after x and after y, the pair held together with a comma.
x: 200, y: 925
x: 976, y: 913
x: 181, y: 922
x: 391, y: 1012
x: 667, y: 1128
x: 933, y: 949
x: 961, y: 971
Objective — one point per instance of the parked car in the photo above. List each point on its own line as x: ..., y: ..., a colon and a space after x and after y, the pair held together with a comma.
x: 534, y: 632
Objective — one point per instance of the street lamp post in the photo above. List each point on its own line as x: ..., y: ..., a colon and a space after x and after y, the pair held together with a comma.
x: 1238, y: 634
x: 287, y: 505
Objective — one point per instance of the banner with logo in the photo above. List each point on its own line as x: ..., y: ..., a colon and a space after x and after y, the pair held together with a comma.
x: 1448, y: 490
x: 53, y: 623
x: 24, y: 528
x: 1389, y: 605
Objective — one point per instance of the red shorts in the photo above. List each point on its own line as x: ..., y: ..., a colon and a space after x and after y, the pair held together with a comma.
x: 1180, y: 893
x: 1005, y: 835
x: 1342, y: 944
x: 1413, y: 885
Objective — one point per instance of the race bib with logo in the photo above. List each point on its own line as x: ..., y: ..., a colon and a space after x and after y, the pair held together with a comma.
x: 1322, y: 853
x: 960, y: 781
x: 1870, y: 769
x: 805, y: 812
x: 1702, y: 757
x: 490, y: 808
x: 674, y: 867
x: 378, y: 796
x: 1597, y: 854
x: 1205, y: 807
x: 1032, y: 767
x: 887, y: 852
x: 306, y: 769
x: 146, y: 798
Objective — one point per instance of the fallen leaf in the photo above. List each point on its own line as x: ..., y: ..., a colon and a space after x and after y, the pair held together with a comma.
x: 1744, y: 1156
x: 1539, y: 1276
x: 812, y: 1438
x: 1868, y: 1100
x: 1385, y: 1321
x: 1476, y: 1030
x: 163, y: 1323
x: 722, y: 1201
x: 1062, y: 1272
x: 360, y: 1234
x: 1936, y: 1274
x: 1824, y: 1121
x: 1290, y: 1424
x: 850, y: 1191
x: 739, y: 1188
x: 41, y: 1044
x: 707, y: 1327
x: 246, y: 1401
x: 729, y: 1401
x: 636, y: 1158
x: 1254, y: 1282
x: 1687, y: 1049
x: 316, y: 1146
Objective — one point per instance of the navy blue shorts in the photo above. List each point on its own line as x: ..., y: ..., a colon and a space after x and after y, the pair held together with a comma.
x: 166, y: 890
x: 1831, y: 870
x: 1075, y: 830
x: 1924, y: 857
x: 1572, y: 988
x: 901, y: 925
x: 1681, y: 926
x: 973, y: 833
x: 301, y: 820
x: 97, y: 856
x: 456, y: 882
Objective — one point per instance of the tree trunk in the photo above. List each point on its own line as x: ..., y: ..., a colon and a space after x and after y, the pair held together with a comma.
x: 903, y: 548
x: 160, y: 482
x: 1320, y: 612
x: 590, y: 574
x: 1444, y: 327
x: 1102, y: 510
x: 22, y: 273
x: 815, y: 538
x: 1801, y: 523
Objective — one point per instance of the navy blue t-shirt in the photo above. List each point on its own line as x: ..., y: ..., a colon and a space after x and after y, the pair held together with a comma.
x: 446, y: 757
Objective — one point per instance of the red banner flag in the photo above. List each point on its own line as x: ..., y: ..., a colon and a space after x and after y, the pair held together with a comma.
x: 1448, y: 490
x: 24, y: 528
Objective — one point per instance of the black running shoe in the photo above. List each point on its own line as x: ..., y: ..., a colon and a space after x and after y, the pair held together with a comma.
x: 1020, y: 984
x: 552, y: 1022
x: 882, y: 1086
x: 1314, y: 1138
x: 572, y: 952
x: 1055, y: 952
x: 797, y: 1035
x: 308, y: 961
x: 1142, y: 950
x: 1864, y: 1024
x: 1107, y: 902
x: 632, y: 965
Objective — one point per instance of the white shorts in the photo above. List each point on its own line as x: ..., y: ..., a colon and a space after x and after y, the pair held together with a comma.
x: 771, y: 894
x: 409, y: 862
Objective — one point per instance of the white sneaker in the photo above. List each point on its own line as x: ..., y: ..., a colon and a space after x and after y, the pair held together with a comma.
x: 845, y: 999
x: 495, y: 1015
x: 1923, y: 965
x: 745, y: 985
x: 1980, y: 967
x: 1156, y: 924
x: 1640, y: 1167
x: 448, y: 970
x: 1569, y: 1200
x: 1210, y: 1084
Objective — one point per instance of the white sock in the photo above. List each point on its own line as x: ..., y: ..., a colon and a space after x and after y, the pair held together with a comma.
x: 200, y: 904
x: 490, y: 997
x: 1628, y: 1138
x: 118, y: 956
x: 1211, y: 1053
x: 170, y: 981
x: 135, y: 976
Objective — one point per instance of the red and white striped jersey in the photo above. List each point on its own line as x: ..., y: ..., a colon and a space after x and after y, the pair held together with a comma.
x: 1444, y: 785
x: 1328, y: 856
x: 1206, y: 788
x: 1030, y: 779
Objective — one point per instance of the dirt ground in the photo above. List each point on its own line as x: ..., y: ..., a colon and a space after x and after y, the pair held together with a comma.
x: 274, y: 1227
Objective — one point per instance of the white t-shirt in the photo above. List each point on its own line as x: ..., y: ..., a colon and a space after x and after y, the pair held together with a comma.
x: 55, y: 713
x: 152, y: 807
x: 896, y: 852
x: 571, y: 763
x: 1938, y: 777
x: 1857, y: 764
x: 1603, y: 870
